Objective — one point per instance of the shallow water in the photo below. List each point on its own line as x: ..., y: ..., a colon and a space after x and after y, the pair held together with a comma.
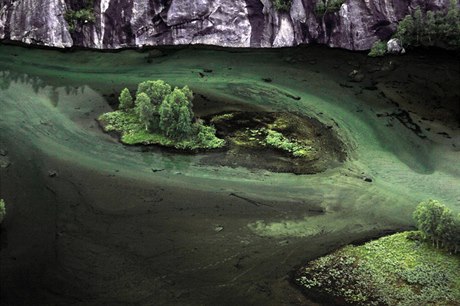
x: 122, y: 226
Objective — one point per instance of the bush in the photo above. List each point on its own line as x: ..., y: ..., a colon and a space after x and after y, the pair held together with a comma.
x: 80, y: 17
x: 125, y: 99
x: 379, y: 48
x: 278, y: 141
x: 2, y: 210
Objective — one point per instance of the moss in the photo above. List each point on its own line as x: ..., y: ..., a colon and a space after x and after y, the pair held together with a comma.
x: 132, y: 132
x: 392, y: 270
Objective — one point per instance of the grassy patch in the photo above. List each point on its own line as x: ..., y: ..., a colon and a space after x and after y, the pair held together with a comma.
x: 132, y: 132
x: 392, y: 270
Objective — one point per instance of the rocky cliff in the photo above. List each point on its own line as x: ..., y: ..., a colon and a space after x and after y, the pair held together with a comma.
x: 356, y: 25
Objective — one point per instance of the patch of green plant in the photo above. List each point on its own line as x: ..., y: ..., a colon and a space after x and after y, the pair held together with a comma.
x: 379, y: 48
x: 222, y: 117
x: 79, y: 17
x: 323, y: 7
x: 440, y: 28
x: 282, y: 5
x: 277, y: 140
x: 160, y: 115
x: 2, y: 210
x: 392, y: 270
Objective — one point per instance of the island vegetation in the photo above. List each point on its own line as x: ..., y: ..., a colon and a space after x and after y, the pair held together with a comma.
x: 160, y: 115
x: 408, y: 268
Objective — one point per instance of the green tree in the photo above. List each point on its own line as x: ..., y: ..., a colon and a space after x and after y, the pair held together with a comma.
x: 125, y: 99
x: 145, y: 110
x: 155, y: 90
x: 176, y: 115
x: 405, y: 30
x: 445, y: 228
x: 428, y: 215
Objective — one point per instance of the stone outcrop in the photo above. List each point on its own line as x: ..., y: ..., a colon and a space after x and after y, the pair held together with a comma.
x: 231, y: 23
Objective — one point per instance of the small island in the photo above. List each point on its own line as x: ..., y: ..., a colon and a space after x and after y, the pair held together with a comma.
x: 160, y: 115
x: 409, y: 268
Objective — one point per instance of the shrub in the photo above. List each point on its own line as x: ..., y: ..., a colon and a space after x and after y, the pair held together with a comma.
x: 282, y: 5
x: 278, y: 141
x: 80, y: 17
x: 2, y: 210
x: 125, y: 99
x: 379, y: 48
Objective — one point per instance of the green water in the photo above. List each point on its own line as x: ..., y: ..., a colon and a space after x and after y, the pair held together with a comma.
x: 49, y: 101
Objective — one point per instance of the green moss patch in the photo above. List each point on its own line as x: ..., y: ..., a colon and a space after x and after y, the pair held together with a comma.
x: 392, y: 270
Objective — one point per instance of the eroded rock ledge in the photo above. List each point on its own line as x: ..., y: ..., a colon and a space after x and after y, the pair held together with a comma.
x: 230, y: 23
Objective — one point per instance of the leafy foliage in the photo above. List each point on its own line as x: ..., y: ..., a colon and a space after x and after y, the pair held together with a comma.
x: 125, y: 99
x: 80, y: 17
x: 379, y: 48
x: 441, y: 29
x: 160, y: 116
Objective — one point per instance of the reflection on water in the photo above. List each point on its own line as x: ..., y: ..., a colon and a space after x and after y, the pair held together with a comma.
x: 39, y: 85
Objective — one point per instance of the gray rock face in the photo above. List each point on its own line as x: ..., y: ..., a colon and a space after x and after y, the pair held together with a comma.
x: 231, y: 23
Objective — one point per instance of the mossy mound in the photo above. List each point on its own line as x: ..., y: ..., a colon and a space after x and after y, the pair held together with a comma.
x: 276, y: 141
x: 392, y: 270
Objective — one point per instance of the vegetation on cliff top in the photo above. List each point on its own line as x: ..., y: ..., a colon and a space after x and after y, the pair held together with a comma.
x: 160, y: 115
x: 439, y: 29
x: 393, y: 270
x: 2, y: 210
